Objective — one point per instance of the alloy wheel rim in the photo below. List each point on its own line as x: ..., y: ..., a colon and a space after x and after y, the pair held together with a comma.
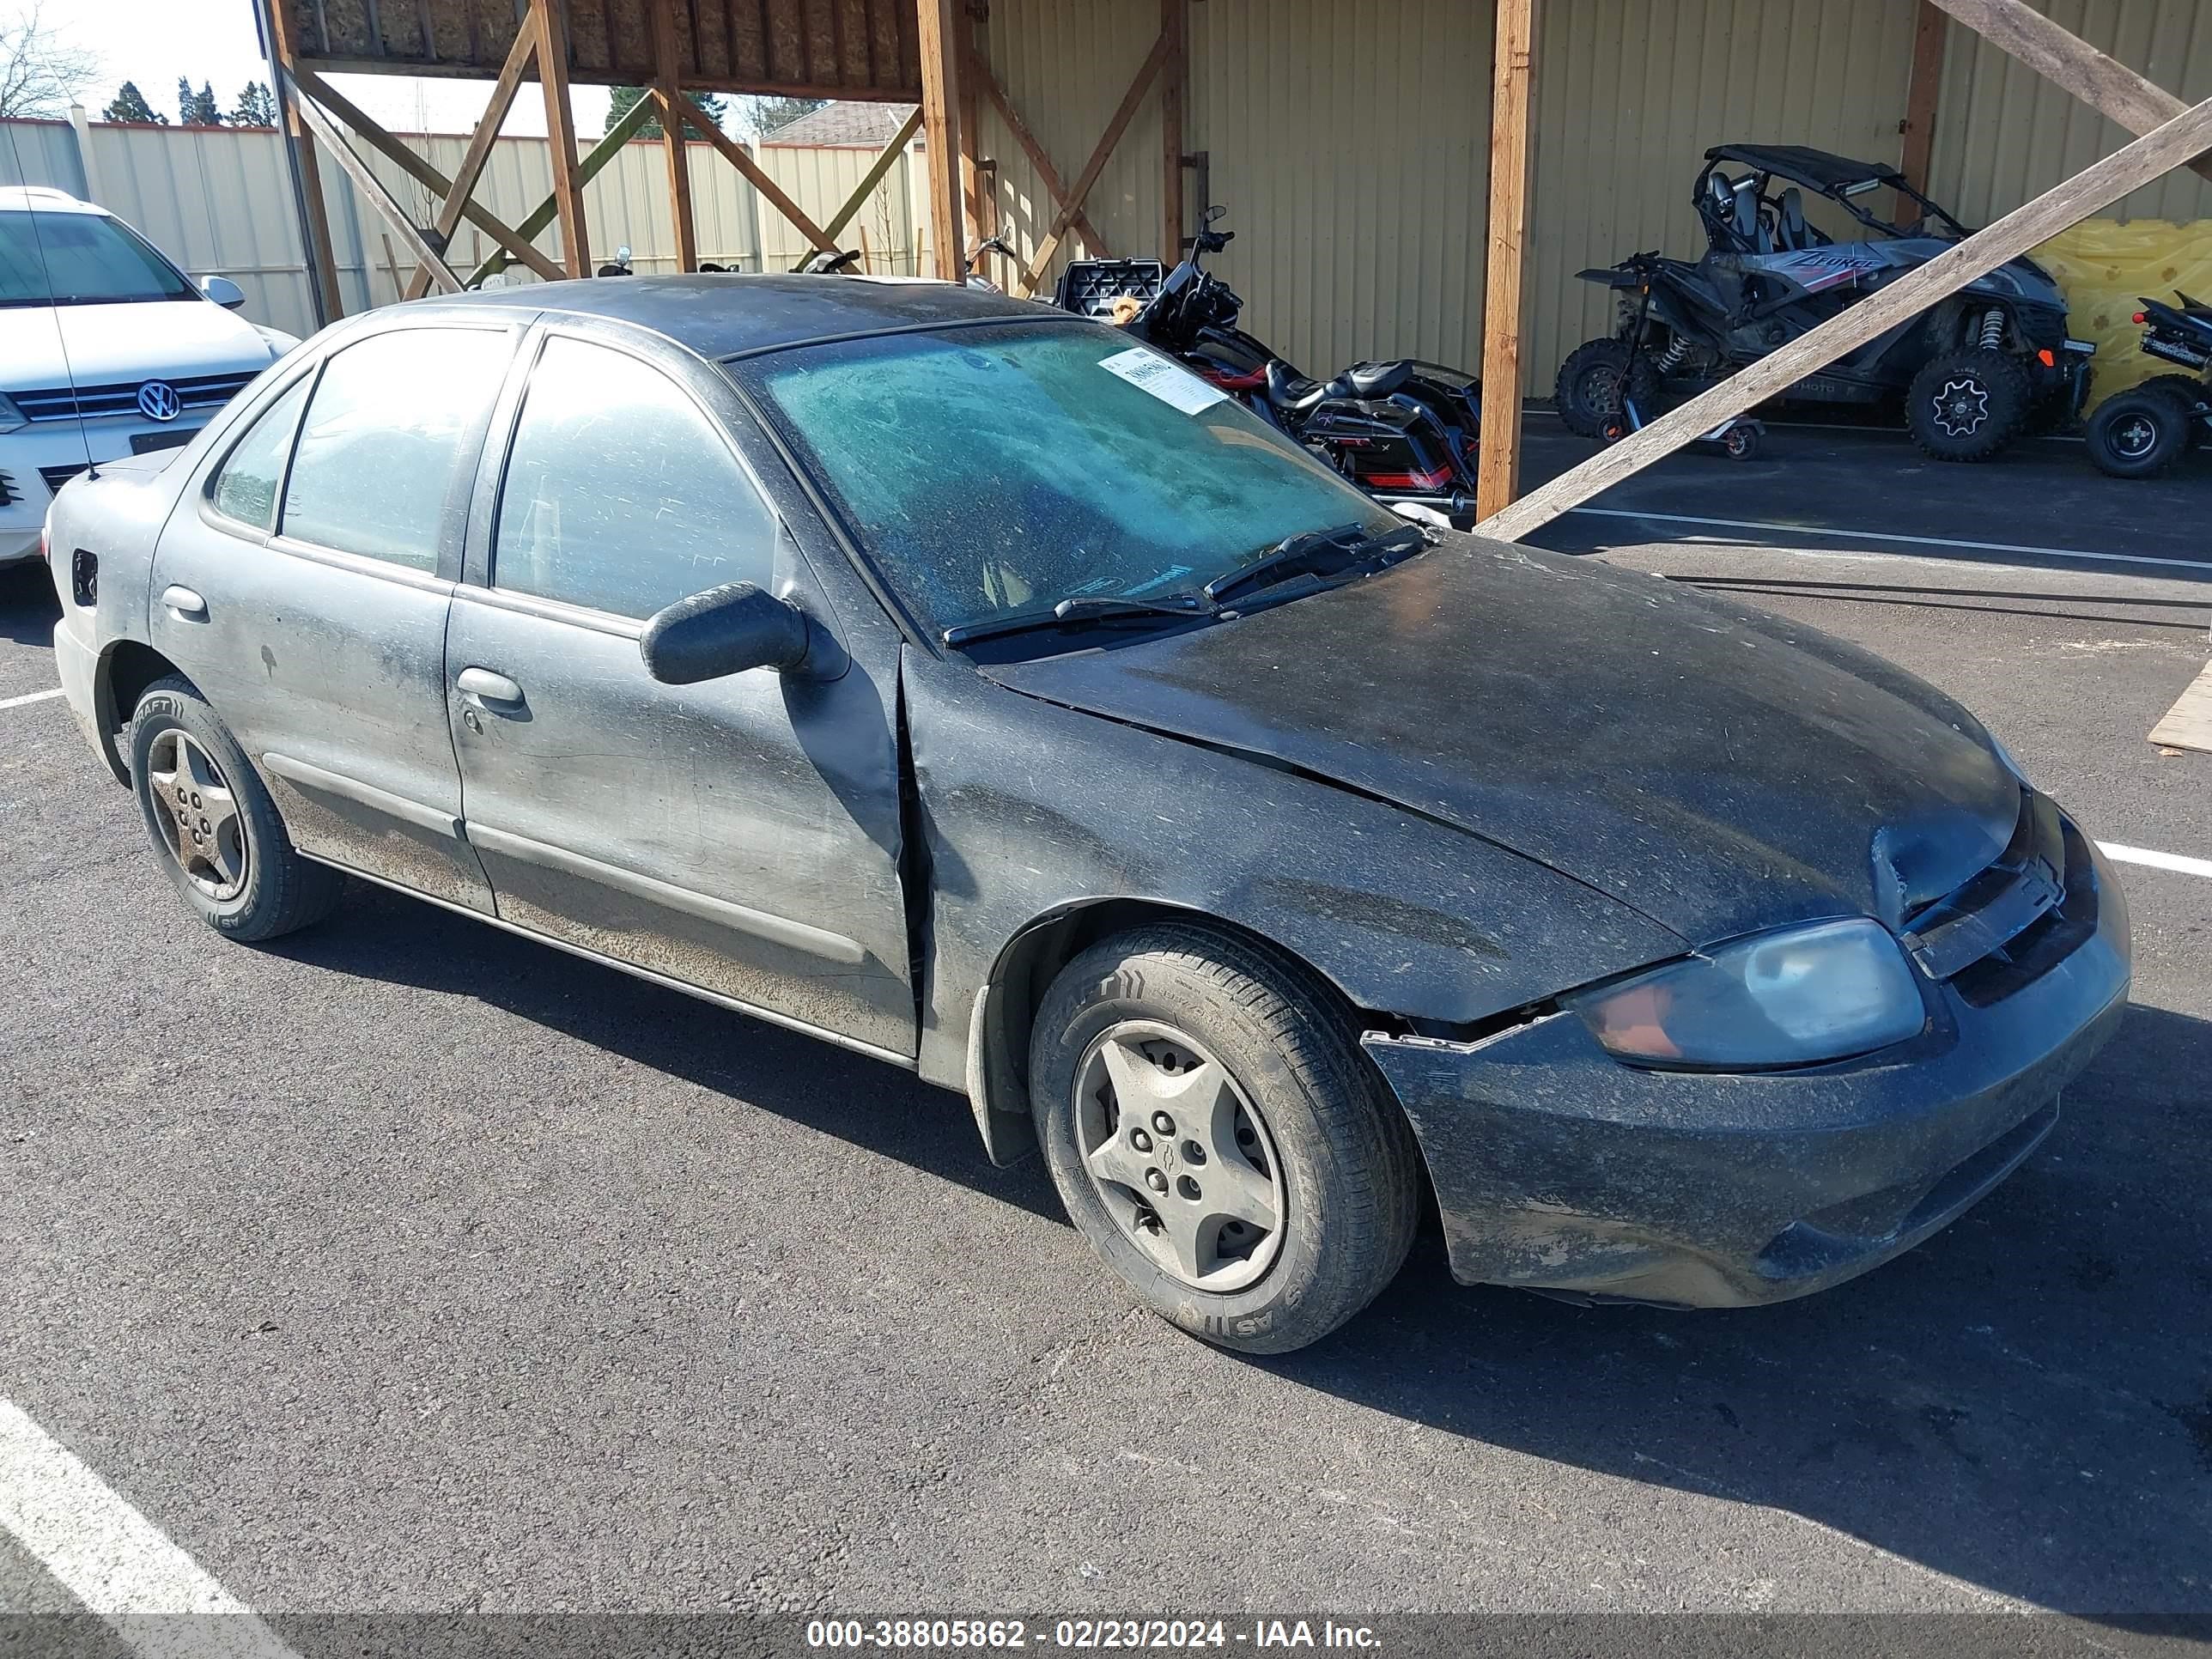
x: 1962, y: 407
x: 197, y: 814
x: 1179, y: 1156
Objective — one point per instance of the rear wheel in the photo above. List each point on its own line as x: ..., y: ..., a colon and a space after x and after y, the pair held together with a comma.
x: 2187, y: 387
x: 213, y: 824
x: 1968, y: 405
x: 1219, y: 1140
x: 1591, y: 382
x: 2139, y: 432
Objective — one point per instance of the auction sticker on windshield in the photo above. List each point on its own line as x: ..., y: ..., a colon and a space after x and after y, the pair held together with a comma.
x: 1177, y: 388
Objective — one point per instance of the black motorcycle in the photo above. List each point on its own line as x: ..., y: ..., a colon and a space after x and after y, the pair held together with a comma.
x: 1405, y: 432
x: 2147, y: 429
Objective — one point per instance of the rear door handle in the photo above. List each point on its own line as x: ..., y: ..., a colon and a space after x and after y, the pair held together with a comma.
x: 184, y: 604
x: 487, y: 687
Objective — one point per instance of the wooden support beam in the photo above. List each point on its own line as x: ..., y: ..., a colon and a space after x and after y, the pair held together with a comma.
x: 369, y: 185
x: 300, y: 146
x: 966, y: 45
x: 1931, y: 29
x: 479, y: 150
x: 625, y: 128
x: 668, y: 89
x: 561, y: 134
x: 516, y: 241
x: 1175, y: 76
x: 1042, y: 258
x: 735, y: 154
x: 939, y: 32
x: 2107, y: 85
x: 873, y: 176
x: 1047, y: 175
x: 1498, y: 461
x: 2067, y: 203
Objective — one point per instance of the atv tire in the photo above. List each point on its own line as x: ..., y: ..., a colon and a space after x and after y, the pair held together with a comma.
x: 1587, y: 393
x: 2187, y: 387
x: 2139, y: 432
x: 1968, y: 405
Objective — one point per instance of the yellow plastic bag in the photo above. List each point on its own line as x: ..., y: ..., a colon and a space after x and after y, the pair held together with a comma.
x: 2107, y: 270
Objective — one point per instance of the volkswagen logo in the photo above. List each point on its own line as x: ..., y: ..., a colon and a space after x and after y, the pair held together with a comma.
x: 158, y: 401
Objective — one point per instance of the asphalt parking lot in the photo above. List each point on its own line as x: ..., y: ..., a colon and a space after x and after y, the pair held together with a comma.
x: 409, y: 1266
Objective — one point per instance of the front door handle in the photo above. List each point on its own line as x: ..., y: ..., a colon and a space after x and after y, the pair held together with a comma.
x: 487, y: 687
x: 183, y: 604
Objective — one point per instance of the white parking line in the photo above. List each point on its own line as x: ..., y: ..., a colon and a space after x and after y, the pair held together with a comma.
x: 30, y: 696
x: 118, y: 1563
x: 2155, y: 859
x: 2075, y: 554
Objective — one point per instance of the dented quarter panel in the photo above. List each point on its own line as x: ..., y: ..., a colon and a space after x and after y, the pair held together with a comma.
x: 1030, y: 809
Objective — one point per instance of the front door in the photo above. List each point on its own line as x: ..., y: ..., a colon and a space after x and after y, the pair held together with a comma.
x: 740, y: 835
x: 303, y: 584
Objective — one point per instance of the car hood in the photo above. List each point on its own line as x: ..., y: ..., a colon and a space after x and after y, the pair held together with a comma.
x: 1715, y: 768
x: 153, y: 339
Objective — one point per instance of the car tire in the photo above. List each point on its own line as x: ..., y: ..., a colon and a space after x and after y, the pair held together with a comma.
x: 213, y: 825
x: 2139, y: 432
x: 1290, y: 1103
x: 1587, y: 392
x: 1968, y: 405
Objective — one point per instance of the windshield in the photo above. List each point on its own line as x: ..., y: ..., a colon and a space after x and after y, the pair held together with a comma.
x: 998, y: 471
x: 80, y: 259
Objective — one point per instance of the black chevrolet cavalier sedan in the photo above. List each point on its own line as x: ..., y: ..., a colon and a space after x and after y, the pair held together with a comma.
x: 953, y: 680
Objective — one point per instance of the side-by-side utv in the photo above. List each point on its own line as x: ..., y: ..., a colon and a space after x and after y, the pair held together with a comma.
x: 1974, y: 370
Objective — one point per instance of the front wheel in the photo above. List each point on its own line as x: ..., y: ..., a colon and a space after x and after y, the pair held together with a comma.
x: 2139, y: 434
x: 1218, y: 1138
x: 213, y: 825
x: 1597, y: 375
x: 1968, y: 405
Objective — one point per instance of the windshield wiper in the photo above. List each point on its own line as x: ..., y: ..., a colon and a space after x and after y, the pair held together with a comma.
x: 1318, y: 552
x: 1076, y: 613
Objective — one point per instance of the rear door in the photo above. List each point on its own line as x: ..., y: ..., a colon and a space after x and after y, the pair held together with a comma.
x: 303, y: 584
x: 740, y: 835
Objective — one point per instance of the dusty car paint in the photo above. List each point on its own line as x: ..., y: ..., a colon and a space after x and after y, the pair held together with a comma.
x: 1458, y: 791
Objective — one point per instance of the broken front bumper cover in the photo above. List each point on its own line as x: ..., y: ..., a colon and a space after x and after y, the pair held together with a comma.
x: 1558, y: 1168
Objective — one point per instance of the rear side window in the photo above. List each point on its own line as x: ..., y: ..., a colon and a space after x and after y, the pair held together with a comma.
x: 384, y: 438
x: 246, y: 486
x: 620, y: 494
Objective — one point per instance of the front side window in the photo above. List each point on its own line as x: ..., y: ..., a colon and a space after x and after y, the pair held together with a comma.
x: 991, y: 471
x: 620, y: 494
x: 385, y: 438
x: 80, y: 259
x: 245, y: 485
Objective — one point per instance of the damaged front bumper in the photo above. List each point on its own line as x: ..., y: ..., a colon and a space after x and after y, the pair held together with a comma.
x: 1558, y: 1168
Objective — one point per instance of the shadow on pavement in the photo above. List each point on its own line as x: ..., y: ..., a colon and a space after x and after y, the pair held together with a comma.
x: 28, y: 609
x: 2024, y: 1403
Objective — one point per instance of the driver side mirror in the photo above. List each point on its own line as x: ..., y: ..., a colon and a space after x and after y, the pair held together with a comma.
x: 224, y: 292
x: 724, y: 630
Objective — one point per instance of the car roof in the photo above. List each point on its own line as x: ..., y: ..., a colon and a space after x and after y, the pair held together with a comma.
x: 23, y: 198
x: 722, y: 315
x: 1819, y: 168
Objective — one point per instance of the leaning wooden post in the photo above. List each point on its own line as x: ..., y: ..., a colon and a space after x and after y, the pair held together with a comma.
x: 938, y: 36
x: 323, y: 290
x: 561, y: 134
x: 2097, y: 186
x: 1497, y: 465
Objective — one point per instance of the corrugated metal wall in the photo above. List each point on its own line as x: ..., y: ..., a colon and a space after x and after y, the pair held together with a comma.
x: 2003, y: 134
x: 219, y: 202
x: 1065, y: 65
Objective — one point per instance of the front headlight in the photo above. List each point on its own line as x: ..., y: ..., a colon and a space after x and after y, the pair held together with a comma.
x: 1792, y: 998
x: 10, y: 416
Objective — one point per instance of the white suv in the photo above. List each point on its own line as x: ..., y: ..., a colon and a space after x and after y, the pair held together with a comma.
x: 106, y: 349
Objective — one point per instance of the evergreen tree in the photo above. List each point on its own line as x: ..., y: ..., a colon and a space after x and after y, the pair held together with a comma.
x: 711, y: 105
x: 197, y: 109
x: 130, y: 105
x: 256, y: 107
x: 764, y: 115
